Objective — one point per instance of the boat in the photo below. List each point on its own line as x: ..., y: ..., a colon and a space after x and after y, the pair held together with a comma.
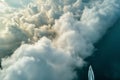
x: 90, y: 73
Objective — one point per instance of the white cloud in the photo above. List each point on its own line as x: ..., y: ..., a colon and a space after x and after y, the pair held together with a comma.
x: 37, y: 62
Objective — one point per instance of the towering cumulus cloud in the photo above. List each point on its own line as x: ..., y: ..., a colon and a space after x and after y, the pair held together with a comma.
x: 48, y: 39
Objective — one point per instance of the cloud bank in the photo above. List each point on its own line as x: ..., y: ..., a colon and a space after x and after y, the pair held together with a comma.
x: 48, y: 39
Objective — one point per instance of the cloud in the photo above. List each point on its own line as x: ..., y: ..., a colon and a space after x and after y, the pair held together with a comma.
x: 38, y: 61
x: 57, y: 36
x: 18, y: 3
x: 11, y: 37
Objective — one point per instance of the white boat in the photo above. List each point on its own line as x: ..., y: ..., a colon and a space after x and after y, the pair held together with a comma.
x: 91, y: 73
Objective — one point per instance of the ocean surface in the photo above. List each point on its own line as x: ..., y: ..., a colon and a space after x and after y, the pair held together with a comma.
x: 106, y: 58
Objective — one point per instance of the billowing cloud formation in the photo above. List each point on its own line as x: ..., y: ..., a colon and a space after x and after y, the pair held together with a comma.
x: 57, y: 36
x: 39, y: 61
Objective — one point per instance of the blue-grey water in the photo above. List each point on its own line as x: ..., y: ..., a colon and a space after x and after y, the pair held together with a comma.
x: 106, y: 59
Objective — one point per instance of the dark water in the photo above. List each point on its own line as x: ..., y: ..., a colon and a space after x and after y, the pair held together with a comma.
x: 106, y: 60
